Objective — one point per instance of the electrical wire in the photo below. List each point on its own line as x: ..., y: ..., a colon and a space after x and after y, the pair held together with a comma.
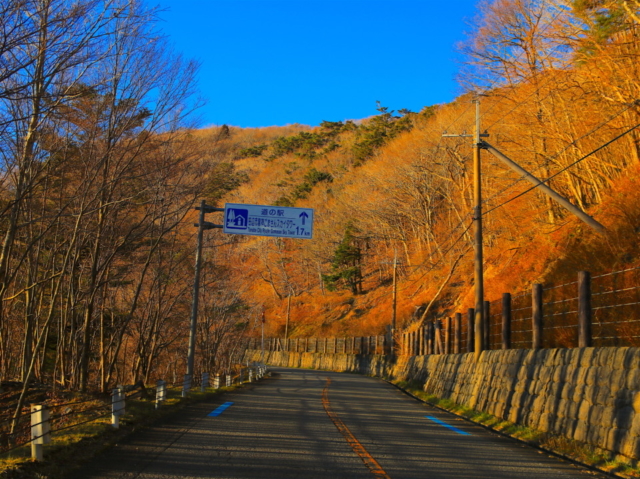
x: 604, y: 145
x: 573, y: 143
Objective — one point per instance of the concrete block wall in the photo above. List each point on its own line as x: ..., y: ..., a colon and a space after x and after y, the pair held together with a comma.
x: 588, y: 394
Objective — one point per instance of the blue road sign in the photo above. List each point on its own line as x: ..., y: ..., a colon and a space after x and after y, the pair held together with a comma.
x: 261, y: 220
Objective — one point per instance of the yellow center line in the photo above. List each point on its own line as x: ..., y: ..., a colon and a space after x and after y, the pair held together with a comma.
x: 358, y: 448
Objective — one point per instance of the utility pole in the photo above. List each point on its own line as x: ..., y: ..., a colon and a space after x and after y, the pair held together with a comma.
x: 477, y: 223
x: 262, y: 320
x: 286, y: 324
x: 394, y: 301
x: 395, y: 304
x: 202, y: 225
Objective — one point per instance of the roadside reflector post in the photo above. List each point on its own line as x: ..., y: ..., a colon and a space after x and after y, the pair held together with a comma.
x: 216, y: 381
x: 186, y: 385
x: 228, y: 380
x: 117, y: 406
x: 161, y: 392
x: 205, y: 382
x: 40, y: 430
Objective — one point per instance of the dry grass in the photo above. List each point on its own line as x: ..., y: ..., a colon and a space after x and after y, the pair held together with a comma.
x: 88, y: 439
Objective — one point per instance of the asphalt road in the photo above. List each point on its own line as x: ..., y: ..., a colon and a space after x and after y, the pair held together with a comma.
x: 316, y: 424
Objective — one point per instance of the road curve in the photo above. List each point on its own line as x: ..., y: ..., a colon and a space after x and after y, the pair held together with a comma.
x: 317, y: 424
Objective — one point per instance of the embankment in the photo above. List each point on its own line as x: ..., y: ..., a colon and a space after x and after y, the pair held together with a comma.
x: 591, y: 395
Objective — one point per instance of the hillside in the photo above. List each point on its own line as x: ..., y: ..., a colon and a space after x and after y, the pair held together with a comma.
x: 394, y: 186
x: 101, y: 177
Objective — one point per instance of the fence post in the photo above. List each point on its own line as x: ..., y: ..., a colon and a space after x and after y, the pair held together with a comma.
x: 447, y: 335
x: 457, y: 334
x: 470, y: 330
x: 161, y: 392
x: 536, y: 316
x: 117, y: 406
x: 429, y: 339
x: 584, y: 309
x: 205, y: 382
x: 40, y: 430
x: 186, y: 385
x: 486, y: 328
x: 506, y: 321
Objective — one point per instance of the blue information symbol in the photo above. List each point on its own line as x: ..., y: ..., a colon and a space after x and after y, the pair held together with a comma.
x: 237, y: 219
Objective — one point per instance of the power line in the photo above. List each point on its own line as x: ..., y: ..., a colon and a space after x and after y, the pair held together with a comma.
x: 573, y: 143
x: 604, y: 145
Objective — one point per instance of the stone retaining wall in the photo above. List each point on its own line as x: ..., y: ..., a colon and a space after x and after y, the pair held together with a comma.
x: 588, y: 394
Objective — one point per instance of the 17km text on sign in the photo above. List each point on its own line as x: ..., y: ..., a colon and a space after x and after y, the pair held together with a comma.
x: 261, y: 220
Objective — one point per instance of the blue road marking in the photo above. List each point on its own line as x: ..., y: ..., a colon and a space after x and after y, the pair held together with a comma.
x: 219, y: 410
x: 453, y: 428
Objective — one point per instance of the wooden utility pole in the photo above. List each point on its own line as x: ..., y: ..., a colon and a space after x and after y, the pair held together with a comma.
x: 477, y: 223
x: 394, y: 303
x: 202, y: 225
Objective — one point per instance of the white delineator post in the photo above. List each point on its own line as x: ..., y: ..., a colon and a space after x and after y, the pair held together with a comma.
x: 117, y: 406
x: 161, y: 392
x: 186, y: 385
x: 40, y: 430
x: 205, y: 382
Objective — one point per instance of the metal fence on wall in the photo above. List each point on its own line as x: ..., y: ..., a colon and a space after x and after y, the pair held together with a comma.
x: 603, y: 310
x: 344, y: 345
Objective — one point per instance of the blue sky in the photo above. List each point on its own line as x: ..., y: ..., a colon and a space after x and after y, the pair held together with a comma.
x: 276, y: 62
